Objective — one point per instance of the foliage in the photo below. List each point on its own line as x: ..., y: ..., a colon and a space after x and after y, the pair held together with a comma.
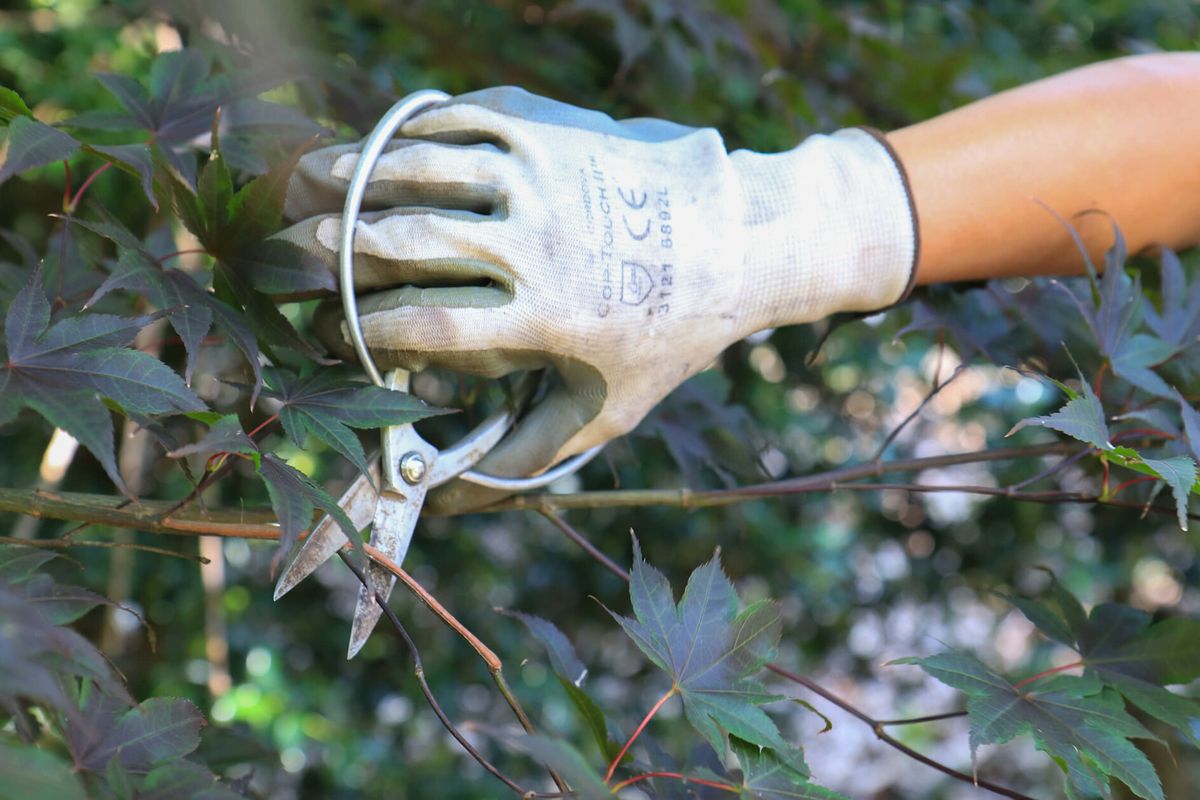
x: 1082, y: 721
x: 150, y: 313
x: 78, y: 733
x: 713, y: 655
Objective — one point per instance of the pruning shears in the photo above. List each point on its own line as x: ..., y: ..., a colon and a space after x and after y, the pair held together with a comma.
x: 410, y: 466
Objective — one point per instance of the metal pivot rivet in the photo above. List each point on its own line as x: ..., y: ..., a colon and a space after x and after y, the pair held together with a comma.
x: 413, y: 468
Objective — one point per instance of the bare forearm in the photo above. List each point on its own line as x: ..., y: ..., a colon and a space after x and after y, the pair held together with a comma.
x: 1121, y: 136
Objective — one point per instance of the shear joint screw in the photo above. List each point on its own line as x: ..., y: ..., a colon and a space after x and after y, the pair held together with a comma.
x: 412, y: 468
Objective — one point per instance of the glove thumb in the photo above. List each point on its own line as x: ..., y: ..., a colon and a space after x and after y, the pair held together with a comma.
x: 531, y: 448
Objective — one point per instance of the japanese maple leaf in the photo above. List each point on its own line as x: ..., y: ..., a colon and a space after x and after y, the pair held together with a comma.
x: 1115, y: 315
x: 1121, y: 647
x: 710, y: 650
x: 1076, y: 720
x: 62, y: 370
x: 191, y: 309
x: 178, y: 107
x: 327, y: 404
x: 766, y: 776
x: 294, y: 496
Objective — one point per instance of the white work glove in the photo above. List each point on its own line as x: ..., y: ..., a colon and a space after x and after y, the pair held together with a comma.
x: 511, y: 232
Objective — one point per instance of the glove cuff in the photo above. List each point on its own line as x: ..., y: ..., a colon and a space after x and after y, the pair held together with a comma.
x: 830, y: 227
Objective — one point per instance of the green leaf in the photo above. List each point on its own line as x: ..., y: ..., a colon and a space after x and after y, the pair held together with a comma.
x: 326, y: 403
x: 214, y: 192
x: 282, y: 269
x: 1121, y: 639
x: 1081, y: 418
x: 1120, y: 646
x: 1134, y: 357
x: 18, y: 563
x: 58, y: 369
x: 570, y: 673
x: 1076, y: 721
x: 294, y: 497
x: 33, y: 144
x: 134, y: 159
x: 765, y: 776
x: 1191, y: 425
x: 1058, y: 613
x: 1179, y: 322
x: 568, y: 762
x: 271, y: 326
x: 184, y: 779
x: 159, y: 728
x: 563, y: 660
x: 256, y: 211
x: 60, y: 602
x: 12, y: 106
x: 131, y: 96
x: 1179, y: 473
x: 709, y: 650
x: 224, y: 436
x: 27, y: 772
x: 191, y: 310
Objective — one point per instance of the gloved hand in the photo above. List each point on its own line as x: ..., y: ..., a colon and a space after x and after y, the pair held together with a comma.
x: 506, y: 231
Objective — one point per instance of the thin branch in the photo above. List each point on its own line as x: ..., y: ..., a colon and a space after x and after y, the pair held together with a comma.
x: 84, y: 186
x: 679, y: 776
x: 1053, y: 469
x: 589, y: 548
x: 919, y: 720
x: 61, y: 544
x: 817, y: 482
x: 489, y: 657
x: 904, y: 423
x: 891, y: 741
x: 494, y: 664
x: 419, y: 671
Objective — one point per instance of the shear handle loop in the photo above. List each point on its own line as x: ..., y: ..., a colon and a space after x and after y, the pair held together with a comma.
x: 396, y: 116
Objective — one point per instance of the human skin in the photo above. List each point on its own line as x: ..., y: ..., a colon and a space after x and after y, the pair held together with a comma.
x: 1121, y: 137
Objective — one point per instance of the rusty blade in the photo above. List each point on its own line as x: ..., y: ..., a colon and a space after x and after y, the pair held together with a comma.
x: 395, y: 519
x: 327, y: 537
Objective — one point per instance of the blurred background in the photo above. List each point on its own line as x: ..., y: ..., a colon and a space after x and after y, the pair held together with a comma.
x: 862, y: 577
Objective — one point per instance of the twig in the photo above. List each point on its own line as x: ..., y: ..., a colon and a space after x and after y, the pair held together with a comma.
x: 490, y: 658
x: 891, y: 437
x: 919, y: 720
x: 60, y: 544
x: 495, y: 666
x: 821, y: 481
x: 679, y: 776
x: 589, y: 548
x: 878, y: 727
x: 888, y: 739
x: 419, y: 671
x: 1056, y: 467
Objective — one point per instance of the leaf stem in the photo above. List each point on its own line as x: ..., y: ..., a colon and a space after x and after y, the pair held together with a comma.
x: 919, y: 720
x: 727, y: 787
x: 1126, y: 484
x: 662, y: 701
x: 263, y: 424
x: 83, y: 187
x: 1047, y: 673
x: 66, y: 184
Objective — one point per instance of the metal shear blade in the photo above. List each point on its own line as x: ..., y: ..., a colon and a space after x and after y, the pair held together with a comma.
x: 411, y: 466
